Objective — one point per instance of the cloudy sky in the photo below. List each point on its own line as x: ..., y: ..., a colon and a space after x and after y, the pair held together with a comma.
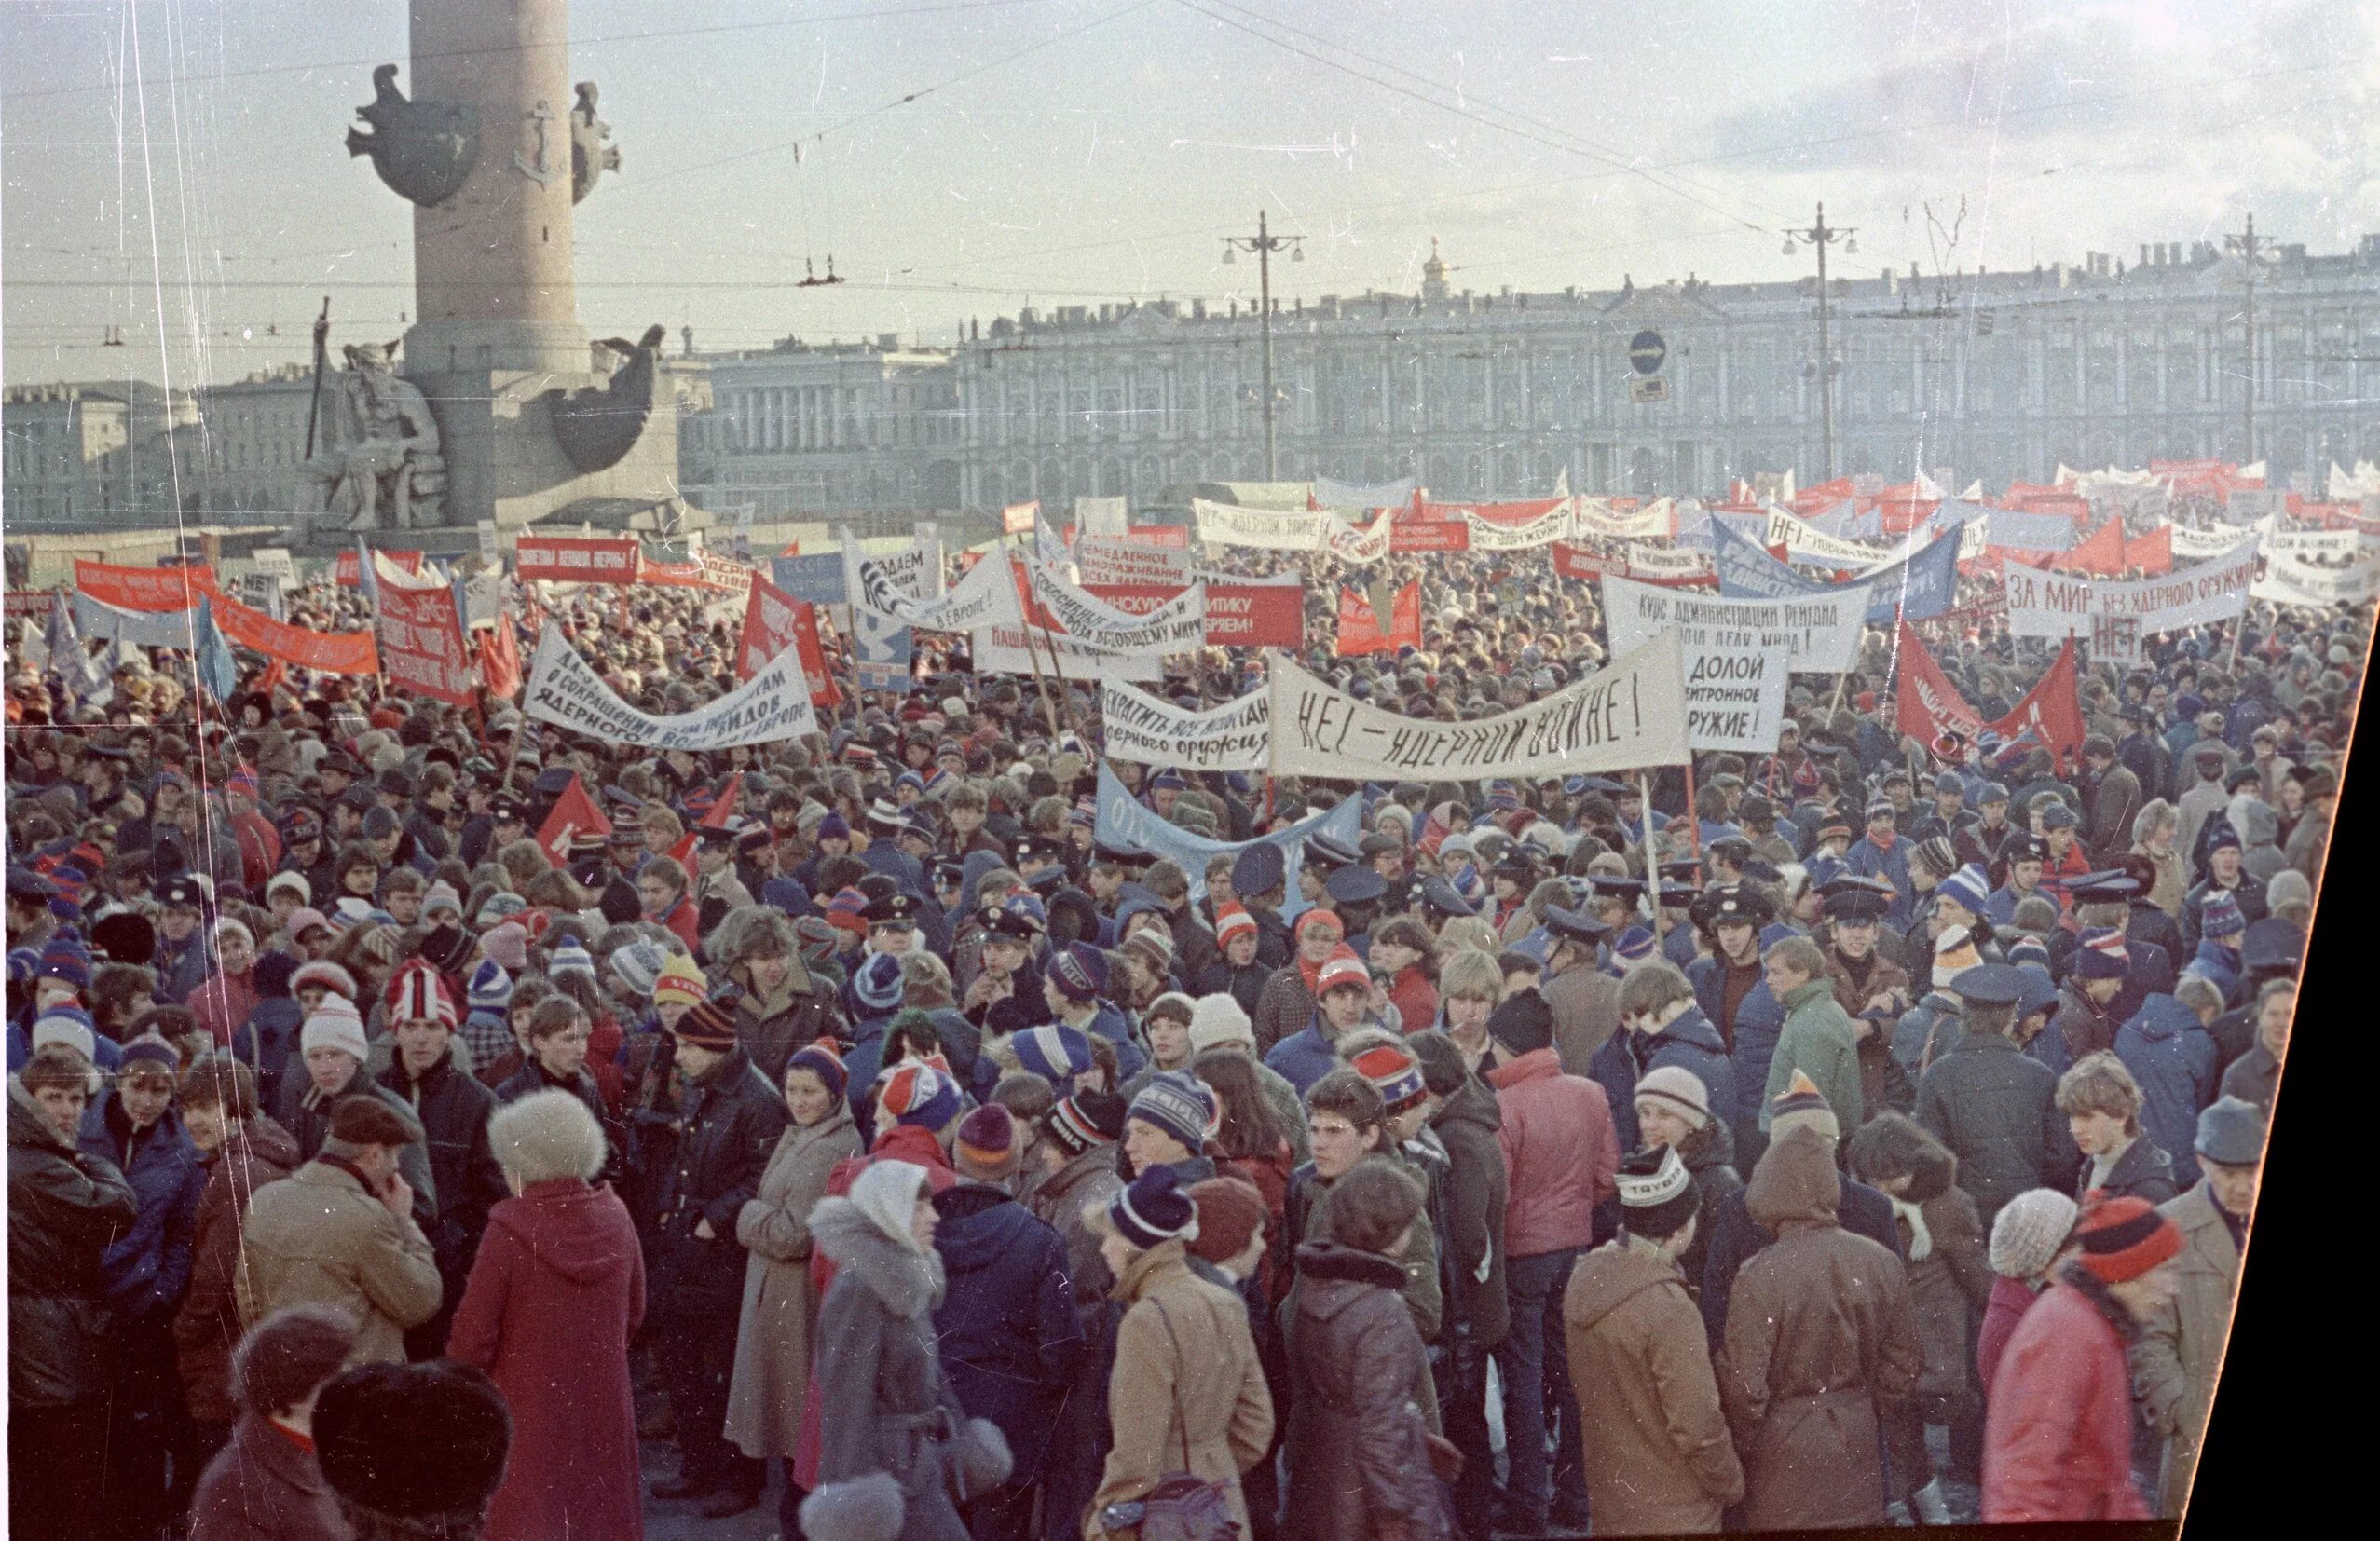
x: 173, y: 169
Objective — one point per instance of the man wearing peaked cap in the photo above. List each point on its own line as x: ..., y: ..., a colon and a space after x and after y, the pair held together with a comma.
x: 1992, y: 1104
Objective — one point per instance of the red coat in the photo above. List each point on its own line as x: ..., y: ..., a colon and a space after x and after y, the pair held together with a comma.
x: 555, y: 1293
x: 2057, y: 1440
x: 1561, y: 1155
x: 1416, y: 998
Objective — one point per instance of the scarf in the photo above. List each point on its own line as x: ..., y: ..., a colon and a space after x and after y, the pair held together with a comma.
x: 1913, y: 1215
x: 1883, y: 842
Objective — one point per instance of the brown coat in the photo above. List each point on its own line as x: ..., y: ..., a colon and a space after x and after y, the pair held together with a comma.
x: 316, y: 1237
x: 1585, y: 1002
x: 780, y: 1312
x: 1358, y: 1467
x: 1659, y: 1458
x: 1197, y: 1388
x: 208, y: 1327
x: 2182, y: 1344
x: 1820, y: 1341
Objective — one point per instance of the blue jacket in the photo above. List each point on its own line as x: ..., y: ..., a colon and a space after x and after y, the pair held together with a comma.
x: 269, y: 1039
x: 1867, y: 859
x: 105, y: 1052
x: 1303, y: 1059
x: 1690, y: 1043
x: 1109, y: 1023
x: 863, y: 1063
x: 1759, y: 1022
x: 1007, y: 1328
x: 2217, y: 964
x: 2173, y: 1058
x: 146, y: 1270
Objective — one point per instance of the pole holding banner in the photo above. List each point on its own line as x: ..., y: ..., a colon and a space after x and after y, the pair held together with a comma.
x: 1652, y: 856
x: 1032, y: 654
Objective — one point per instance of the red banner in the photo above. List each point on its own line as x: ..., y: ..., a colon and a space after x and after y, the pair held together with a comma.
x: 2102, y: 556
x: 1927, y: 703
x: 1408, y: 534
x: 327, y: 652
x: 2153, y: 552
x: 574, y: 814
x: 421, y: 639
x: 153, y: 591
x: 1576, y: 562
x: 1495, y: 513
x: 500, y: 659
x: 345, y: 572
x: 576, y: 559
x: 1360, y: 624
x: 1238, y: 615
x: 1171, y: 536
x: 33, y: 604
x: 774, y: 620
x: 1017, y: 518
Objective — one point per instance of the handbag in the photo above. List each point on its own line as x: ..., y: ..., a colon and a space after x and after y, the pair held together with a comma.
x: 1183, y: 1506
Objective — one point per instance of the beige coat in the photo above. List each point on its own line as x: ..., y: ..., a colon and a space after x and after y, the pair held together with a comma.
x: 316, y: 1237
x: 1585, y: 1003
x: 2180, y: 1347
x: 1198, y: 1390
x: 780, y: 1315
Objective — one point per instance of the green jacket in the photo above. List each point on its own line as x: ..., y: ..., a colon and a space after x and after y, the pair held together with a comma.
x: 1818, y: 1041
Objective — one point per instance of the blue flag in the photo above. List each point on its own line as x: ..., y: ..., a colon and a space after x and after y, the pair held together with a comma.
x: 217, y: 670
x: 1747, y: 570
x: 365, y: 579
x: 1921, y: 585
x: 1128, y: 824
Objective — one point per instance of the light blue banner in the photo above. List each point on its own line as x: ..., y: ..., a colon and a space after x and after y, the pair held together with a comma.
x: 1130, y: 824
x: 816, y: 578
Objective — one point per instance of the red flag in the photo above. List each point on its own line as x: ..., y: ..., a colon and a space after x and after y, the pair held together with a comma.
x: 574, y: 814
x: 2102, y: 556
x: 683, y: 854
x: 774, y: 620
x: 2153, y: 552
x: 1927, y: 705
x: 1360, y: 624
x: 499, y: 660
x: 2052, y: 711
x: 723, y: 806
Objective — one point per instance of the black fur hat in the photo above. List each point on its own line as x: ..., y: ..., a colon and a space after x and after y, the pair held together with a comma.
x: 418, y: 1442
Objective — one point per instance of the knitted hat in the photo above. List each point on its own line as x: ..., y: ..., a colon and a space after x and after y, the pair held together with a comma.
x: 679, y: 981
x: 2031, y: 950
x: 153, y: 1053
x: 363, y: 1119
x: 834, y: 826
x: 1636, y: 944
x: 823, y: 1059
x: 708, y: 1025
x: 1231, y: 1212
x: 1802, y: 1105
x: 813, y: 934
x: 1937, y: 855
x: 1177, y: 1104
x: 2231, y: 1132
x: 1217, y: 1020
x: 877, y: 982
x: 303, y: 920
x: 1154, y: 1210
x: 1524, y: 1023
x: 917, y: 1094
x: 2123, y: 1238
x: 848, y: 911
x: 1230, y: 921
x: 1341, y: 968
x: 1080, y: 972
x: 1153, y: 946
x: 65, y: 958
x: 571, y: 958
x: 1443, y: 1071
x: 69, y: 1024
x: 334, y: 1024
x: 2102, y: 954
x: 1084, y: 1120
x: 1394, y: 1073
x: 322, y: 972
x: 1320, y: 919
x: 419, y: 994
x: 1954, y: 953
x: 1677, y: 1090
x: 500, y: 907
x: 2219, y: 916
x: 1656, y: 1194
x: 986, y: 1151
x: 490, y: 988
x: 287, y: 1355
x: 1173, y: 1003
x: 1054, y: 1052
x: 1968, y: 888
x: 638, y: 965
x: 508, y: 944
x: 440, y: 899
x: 418, y: 1442
x: 2029, y: 1232
x: 295, y: 882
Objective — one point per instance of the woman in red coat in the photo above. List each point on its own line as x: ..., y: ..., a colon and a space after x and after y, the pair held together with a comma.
x: 2057, y: 1440
x: 557, y: 1292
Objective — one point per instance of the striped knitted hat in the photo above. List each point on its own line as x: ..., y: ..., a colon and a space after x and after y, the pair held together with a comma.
x: 1154, y: 1210
x: 986, y: 1151
x: 1394, y: 1072
x: 2123, y: 1238
x: 708, y: 1025
x: 1085, y: 1120
x: 917, y: 1094
x: 1802, y: 1105
x: 417, y: 994
x: 679, y: 981
x: 823, y: 1059
x: 1054, y: 1052
x: 1178, y: 1105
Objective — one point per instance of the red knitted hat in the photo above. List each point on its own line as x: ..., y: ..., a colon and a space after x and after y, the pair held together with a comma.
x: 2123, y: 1238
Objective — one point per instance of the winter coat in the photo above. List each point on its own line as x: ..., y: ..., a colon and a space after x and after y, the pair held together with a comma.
x: 732, y: 1119
x: 1303, y: 1057
x: 1996, y: 1109
x: 1560, y: 1157
x: 1358, y: 1465
x: 1585, y: 1003
x: 1283, y: 1010
x: 771, y: 1029
x: 774, y: 1333
x: 1187, y: 1392
x: 2006, y: 1306
x: 1243, y: 984
x: 1709, y: 1157
x: 454, y: 1108
x: 2173, y: 1060
x: 263, y: 1486
x: 1818, y: 1041
x: 1662, y: 1461
x: 208, y: 1326
x: 306, y: 1113
x: 1008, y: 1330
x: 316, y: 1238
x: 1472, y: 1204
x: 1689, y: 1042
x: 1949, y: 1276
x: 268, y: 1042
x: 556, y: 1293
x: 532, y: 1077
x: 2141, y: 1171
x: 221, y: 1003
x: 2113, y: 801
x: 1307, y: 1218
x: 2181, y: 1345
x: 890, y: 1431
x: 2057, y: 1441
x: 1059, y: 1200
x: 1820, y: 1344
x: 2254, y: 1077
x: 65, y: 1207
x: 1926, y: 1032
x: 147, y: 1268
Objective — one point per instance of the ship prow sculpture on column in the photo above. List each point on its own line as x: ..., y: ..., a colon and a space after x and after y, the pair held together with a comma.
x: 496, y: 406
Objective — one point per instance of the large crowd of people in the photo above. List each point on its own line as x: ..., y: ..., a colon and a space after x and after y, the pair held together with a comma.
x: 1868, y: 1128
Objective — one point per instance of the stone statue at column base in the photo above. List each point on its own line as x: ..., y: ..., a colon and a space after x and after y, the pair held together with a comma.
x: 384, y: 469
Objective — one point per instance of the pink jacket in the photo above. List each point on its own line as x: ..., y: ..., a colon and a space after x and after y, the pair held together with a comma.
x: 2057, y: 1440
x: 1561, y: 1156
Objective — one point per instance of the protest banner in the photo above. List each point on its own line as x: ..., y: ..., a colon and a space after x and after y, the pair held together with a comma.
x: 1177, y: 626
x: 97, y: 620
x: 1017, y: 518
x: 275, y: 562
x: 576, y: 559
x: 150, y: 589
x: 1487, y: 535
x: 564, y: 690
x: 1663, y: 561
x: 33, y: 605
x: 774, y: 620
x: 1360, y: 631
x: 1361, y: 546
x: 987, y: 593
x: 301, y: 646
x: 420, y: 634
x: 1011, y: 648
x: 2320, y: 546
x: 1408, y: 534
x: 1927, y: 704
x: 348, y: 574
x: 887, y: 586
x: 1248, y: 613
x: 1172, y: 536
x: 1625, y: 717
x: 1117, y: 559
x: 2192, y: 544
x: 1738, y: 653
x: 1262, y: 529
x: 1804, y: 544
x: 2055, y: 605
x: 1124, y: 823
x: 881, y: 650
x: 2316, y: 579
x: 818, y: 579
x: 1655, y: 520
x: 1235, y: 736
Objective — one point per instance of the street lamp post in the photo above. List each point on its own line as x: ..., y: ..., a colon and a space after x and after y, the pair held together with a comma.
x: 1264, y: 244
x: 1820, y: 235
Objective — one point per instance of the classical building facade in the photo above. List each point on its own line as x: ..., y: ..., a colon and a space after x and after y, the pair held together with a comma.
x: 1996, y: 376
x: 79, y: 453
x: 803, y: 428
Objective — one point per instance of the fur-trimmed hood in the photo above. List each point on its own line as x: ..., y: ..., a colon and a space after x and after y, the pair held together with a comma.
x: 907, y: 1282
